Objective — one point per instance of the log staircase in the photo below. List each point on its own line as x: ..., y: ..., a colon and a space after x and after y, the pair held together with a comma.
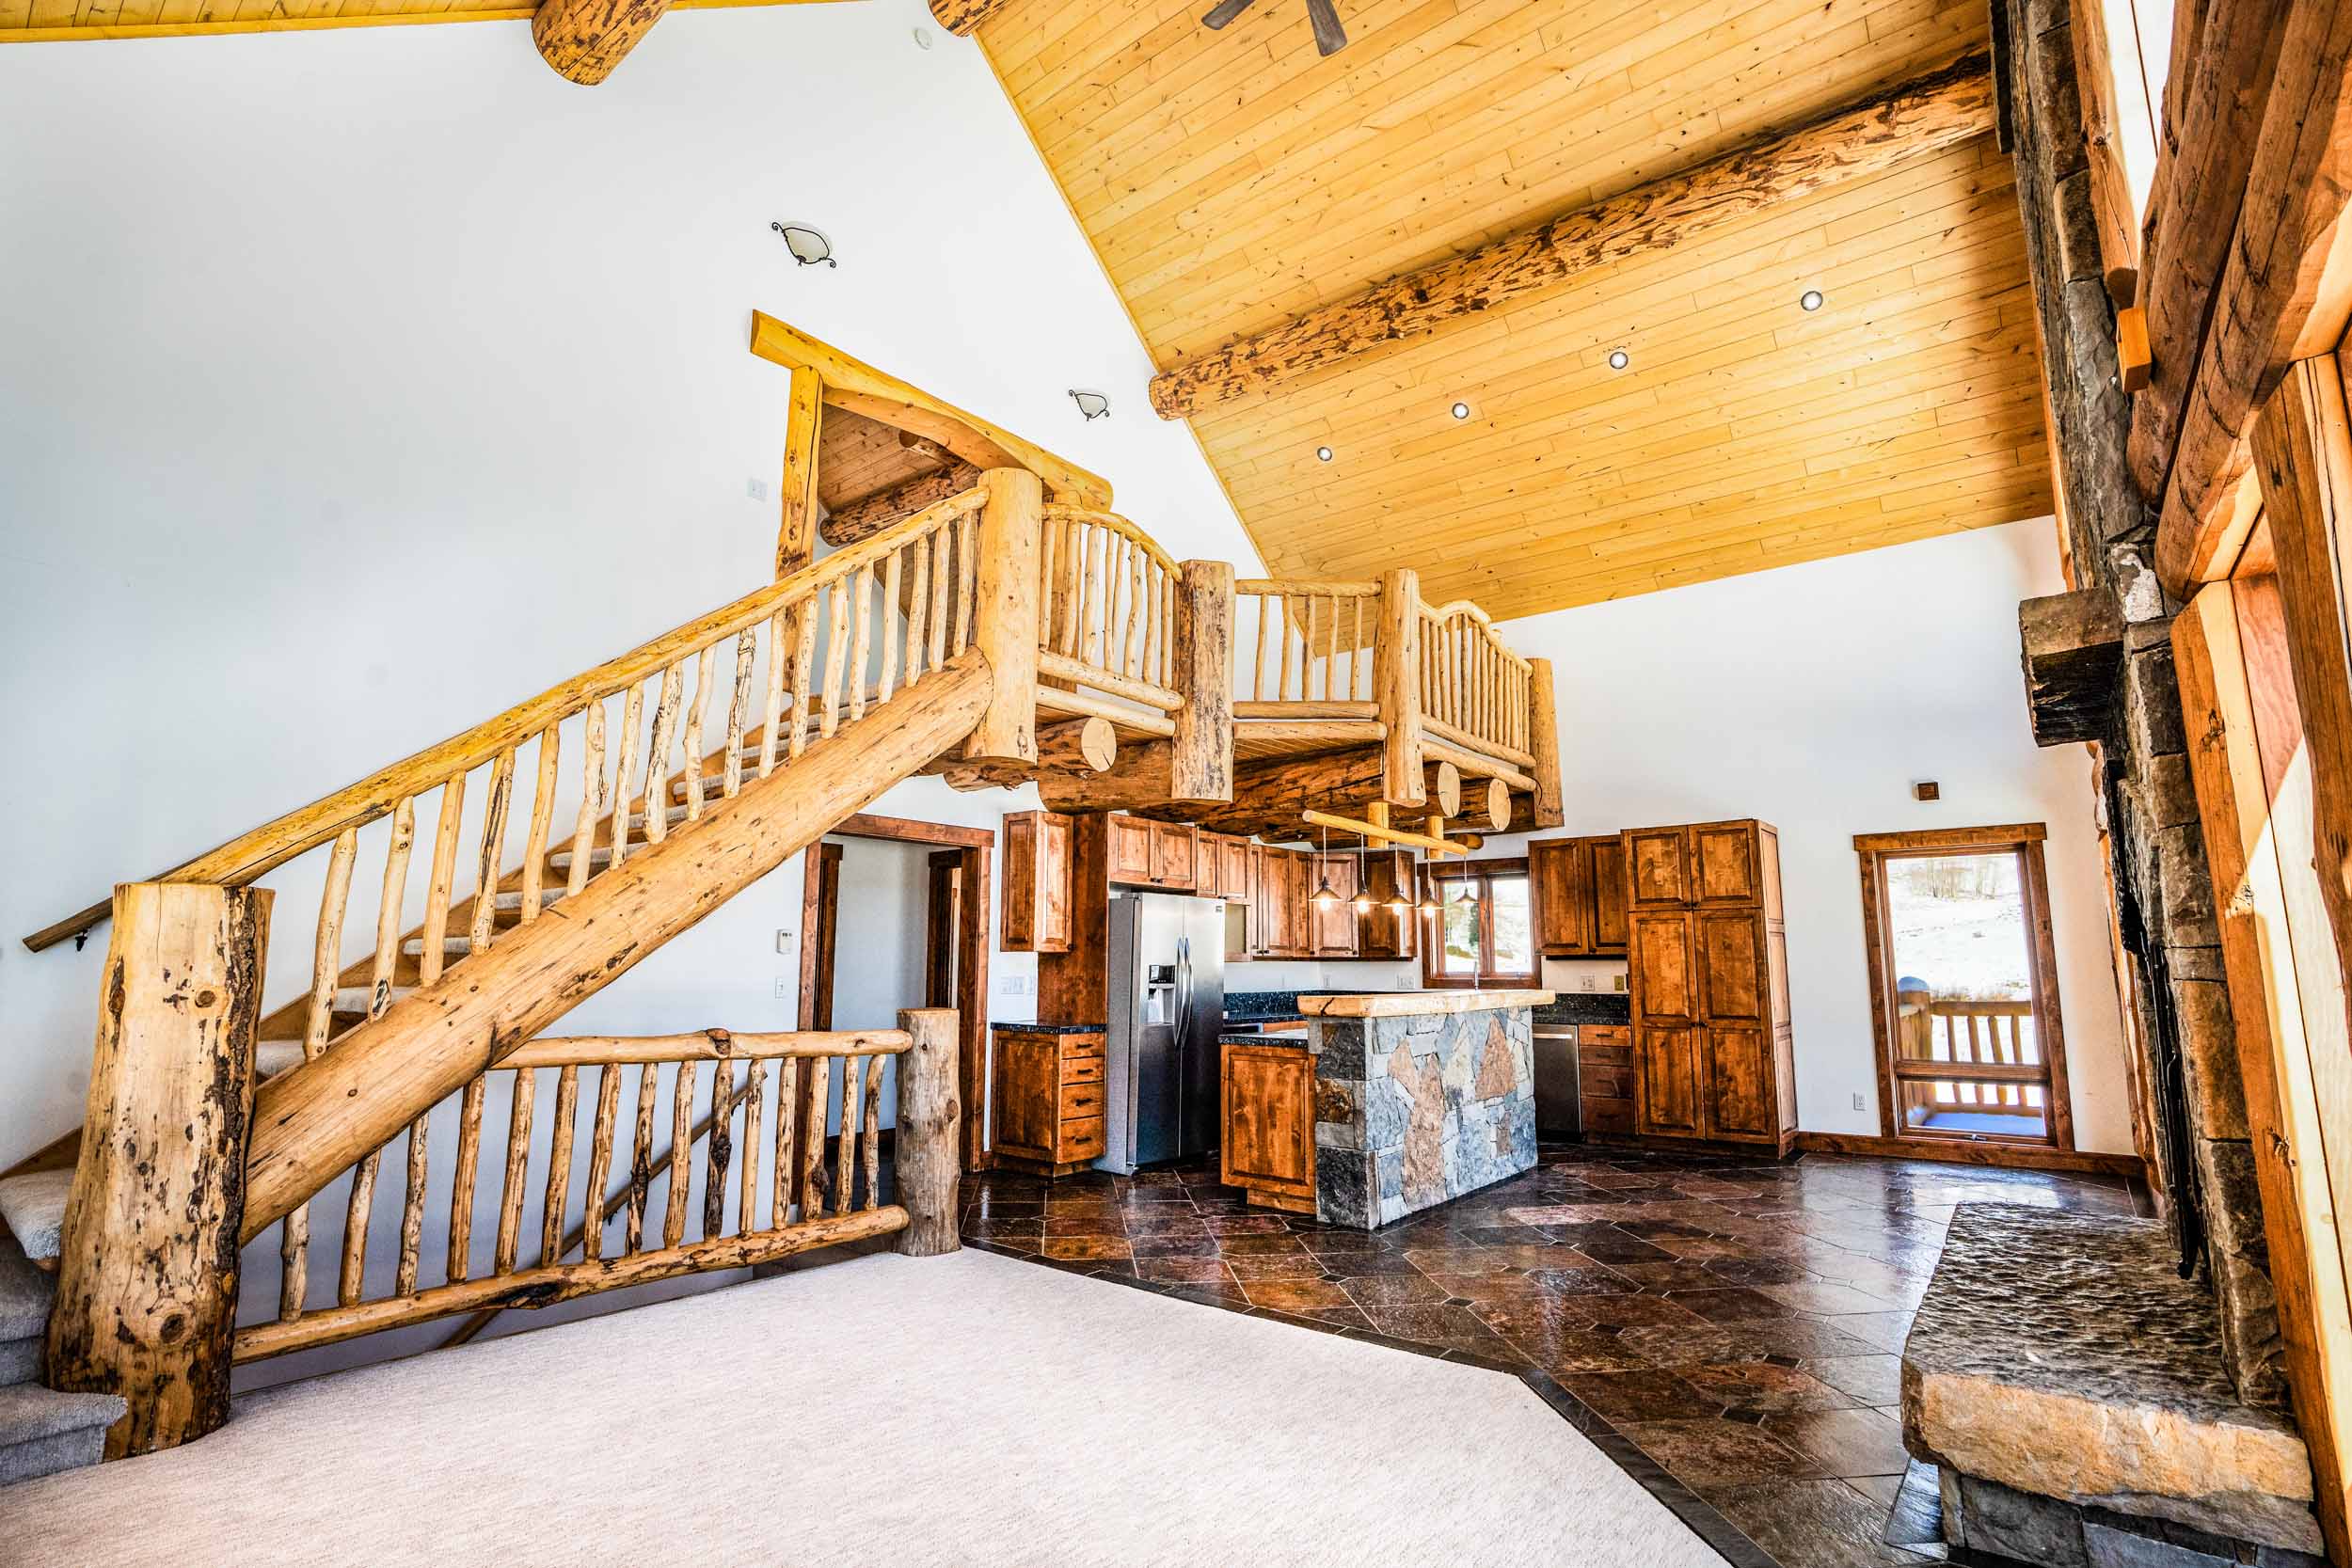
x: 991, y: 634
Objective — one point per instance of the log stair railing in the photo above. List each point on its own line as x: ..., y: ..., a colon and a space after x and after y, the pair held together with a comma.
x: 766, y: 1189
x: 432, y: 954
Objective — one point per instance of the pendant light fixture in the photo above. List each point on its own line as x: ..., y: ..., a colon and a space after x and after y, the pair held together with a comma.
x: 1325, y: 894
x: 1365, y: 903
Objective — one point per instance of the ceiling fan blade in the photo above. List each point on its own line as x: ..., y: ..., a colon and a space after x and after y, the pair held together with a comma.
x: 1226, y: 12
x: 1330, y: 38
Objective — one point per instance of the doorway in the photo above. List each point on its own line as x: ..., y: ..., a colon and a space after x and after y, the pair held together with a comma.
x: 1963, y: 987
x: 953, y: 927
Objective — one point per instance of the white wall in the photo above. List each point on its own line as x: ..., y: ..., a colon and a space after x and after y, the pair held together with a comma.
x: 1812, y: 697
x: 360, y: 384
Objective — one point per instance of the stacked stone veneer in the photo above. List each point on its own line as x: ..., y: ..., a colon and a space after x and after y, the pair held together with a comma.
x: 2164, y: 891
x: 1411, y: 1112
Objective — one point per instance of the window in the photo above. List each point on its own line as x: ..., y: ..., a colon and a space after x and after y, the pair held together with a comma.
x: 1963, y: 985
x: 1485, y: 928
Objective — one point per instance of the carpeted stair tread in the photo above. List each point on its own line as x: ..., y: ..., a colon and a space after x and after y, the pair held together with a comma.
x: 33, y: 1205
x: 29, y: 1411
x: 25, y: 1292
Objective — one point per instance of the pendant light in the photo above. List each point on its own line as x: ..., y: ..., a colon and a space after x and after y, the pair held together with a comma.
x: 1365, y: 902
x: 1325, y: 894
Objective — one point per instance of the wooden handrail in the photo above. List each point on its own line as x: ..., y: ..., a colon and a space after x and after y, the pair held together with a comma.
x: 261, y: 850
x: 710, y: 1045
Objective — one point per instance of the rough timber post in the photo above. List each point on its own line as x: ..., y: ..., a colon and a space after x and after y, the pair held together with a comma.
x: 1396, y: 686
x: 1006, y: 624
x: 927, y: 1162
x: 147, y: 1287
x: 1200, y: 759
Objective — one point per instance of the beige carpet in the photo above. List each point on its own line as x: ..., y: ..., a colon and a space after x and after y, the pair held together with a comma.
x: 958, y: 1411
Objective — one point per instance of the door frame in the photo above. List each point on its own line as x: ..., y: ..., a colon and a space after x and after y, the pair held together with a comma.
x: 2026, y: 840
x: 975, y: 849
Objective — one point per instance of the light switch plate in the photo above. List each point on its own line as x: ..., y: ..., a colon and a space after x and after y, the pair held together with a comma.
x: 784, y: 988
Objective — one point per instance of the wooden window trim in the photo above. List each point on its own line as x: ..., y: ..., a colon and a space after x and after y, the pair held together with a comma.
x: 2024, y: 840
x: 1483, y: 872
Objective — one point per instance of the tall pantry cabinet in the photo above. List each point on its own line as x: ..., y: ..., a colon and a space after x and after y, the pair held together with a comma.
x: 1707, y: 963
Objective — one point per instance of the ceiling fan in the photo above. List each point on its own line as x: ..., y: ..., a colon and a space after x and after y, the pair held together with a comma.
x: 1330, y: 38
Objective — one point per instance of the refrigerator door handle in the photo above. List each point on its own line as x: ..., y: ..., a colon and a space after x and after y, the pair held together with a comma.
x: 1183, y: 989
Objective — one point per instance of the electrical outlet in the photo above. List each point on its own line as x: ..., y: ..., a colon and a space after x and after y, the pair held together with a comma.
x: 784, y: 988
x: 756, y: 489
x: 1857, y: 1102
x: 1584, y: 982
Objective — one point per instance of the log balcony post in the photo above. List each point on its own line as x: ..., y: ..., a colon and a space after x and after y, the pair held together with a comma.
x: 1006, y: 625
x: 927, y: 1163
x: 147, y: 1267
x: 1201, y: 755
x: 1543, y: 743
x: 1396, y: 686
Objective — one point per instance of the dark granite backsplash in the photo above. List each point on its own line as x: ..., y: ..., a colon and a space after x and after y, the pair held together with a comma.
x: 1264, y: 1005
x: 1016, y: 1027
x: 1588, y: 1007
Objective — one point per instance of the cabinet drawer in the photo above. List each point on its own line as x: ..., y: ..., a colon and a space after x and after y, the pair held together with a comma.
x: 1605, y: 1056
x: 1602, y: 1082
x: 1604, y: 1034
x: 1079, y: 1047
x: 1081, y: 1070
x: 1081, y: 1140
x: 1607, y: 1115
x: 1081, y: 1101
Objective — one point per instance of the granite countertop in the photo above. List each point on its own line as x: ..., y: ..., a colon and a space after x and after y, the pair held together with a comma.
x: 1588, y: 1007
x: 1415, y: 1004
x: 1043, y: 1027
x: 1253, y: 1036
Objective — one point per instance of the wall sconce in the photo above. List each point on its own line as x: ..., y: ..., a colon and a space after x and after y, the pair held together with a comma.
x: 1094, y: 405
x: 809, y: 246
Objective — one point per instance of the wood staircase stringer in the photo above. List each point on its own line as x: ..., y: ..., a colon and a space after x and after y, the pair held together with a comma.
x: 317, y: 1119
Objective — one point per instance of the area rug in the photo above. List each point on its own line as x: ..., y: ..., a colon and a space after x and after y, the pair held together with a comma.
x: 963, y: 1412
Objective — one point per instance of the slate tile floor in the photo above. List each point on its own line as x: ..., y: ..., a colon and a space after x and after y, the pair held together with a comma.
x: 1726, y: 1330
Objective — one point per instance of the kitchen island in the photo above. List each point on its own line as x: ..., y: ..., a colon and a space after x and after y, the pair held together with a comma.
x: 1390, y: 1103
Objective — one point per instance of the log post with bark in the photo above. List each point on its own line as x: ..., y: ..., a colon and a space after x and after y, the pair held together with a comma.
x: 147, y: 1267
x: 928, y: 1166
x: 1007, y: 625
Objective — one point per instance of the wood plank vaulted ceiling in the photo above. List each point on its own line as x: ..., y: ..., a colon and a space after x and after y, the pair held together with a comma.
x: 1231, y: 180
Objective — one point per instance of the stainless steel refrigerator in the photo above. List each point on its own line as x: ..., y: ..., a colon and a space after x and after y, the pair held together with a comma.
x: 1167, y: 1007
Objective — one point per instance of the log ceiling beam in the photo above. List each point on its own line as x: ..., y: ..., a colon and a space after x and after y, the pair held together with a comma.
x: 869, y: 516
x: 583, y: 39
x: 1933, y: 112
x: 963, y: 17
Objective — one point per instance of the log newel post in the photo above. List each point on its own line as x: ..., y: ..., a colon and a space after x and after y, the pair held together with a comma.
x: 1006, y: 624
x: 1543, y: 743
x: 928, y: 1164
x: 1396, y: 686
x: 1200, y: 760
x: 147, y: 1267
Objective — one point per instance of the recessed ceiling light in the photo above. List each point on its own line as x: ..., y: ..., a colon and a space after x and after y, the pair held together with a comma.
x: 1619, y: 358
x: 922, y: 38
x: 1811, y: 299
x: 1461, y: 410
x: 1322, y: 455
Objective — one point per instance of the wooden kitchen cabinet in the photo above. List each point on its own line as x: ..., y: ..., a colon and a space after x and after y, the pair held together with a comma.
x: 1280, y: 888
x: 1605, y: 1079
x: 1335, y: 923
x: 1173, y: 855
x: 1152, y: 854
x: 1047, y: 1100
x: 1221, y: 867
x: 1713, y: 1056
x: 1036, y: 917
x: 1384, y: 933
x: 1266, y: 1096
x: 1579, y: 897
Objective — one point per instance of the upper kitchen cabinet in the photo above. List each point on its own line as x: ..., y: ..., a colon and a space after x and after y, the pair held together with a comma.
x: 1144, y: 853
x: 1220, y: 867
x: 1658, y: 867
x: 1280, y: 885
x: 1334, y: 923
x: 1580, y: 889
x: 1036, y: 905
x: 1386, y: 932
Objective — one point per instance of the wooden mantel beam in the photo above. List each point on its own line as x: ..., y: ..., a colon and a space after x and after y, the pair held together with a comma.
x: 1933, y: 112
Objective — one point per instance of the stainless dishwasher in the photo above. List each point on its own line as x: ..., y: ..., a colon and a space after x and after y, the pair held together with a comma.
x: 1556, y: 1109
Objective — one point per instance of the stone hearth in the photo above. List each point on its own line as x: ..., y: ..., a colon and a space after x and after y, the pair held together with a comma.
x: 2068, y: 1382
